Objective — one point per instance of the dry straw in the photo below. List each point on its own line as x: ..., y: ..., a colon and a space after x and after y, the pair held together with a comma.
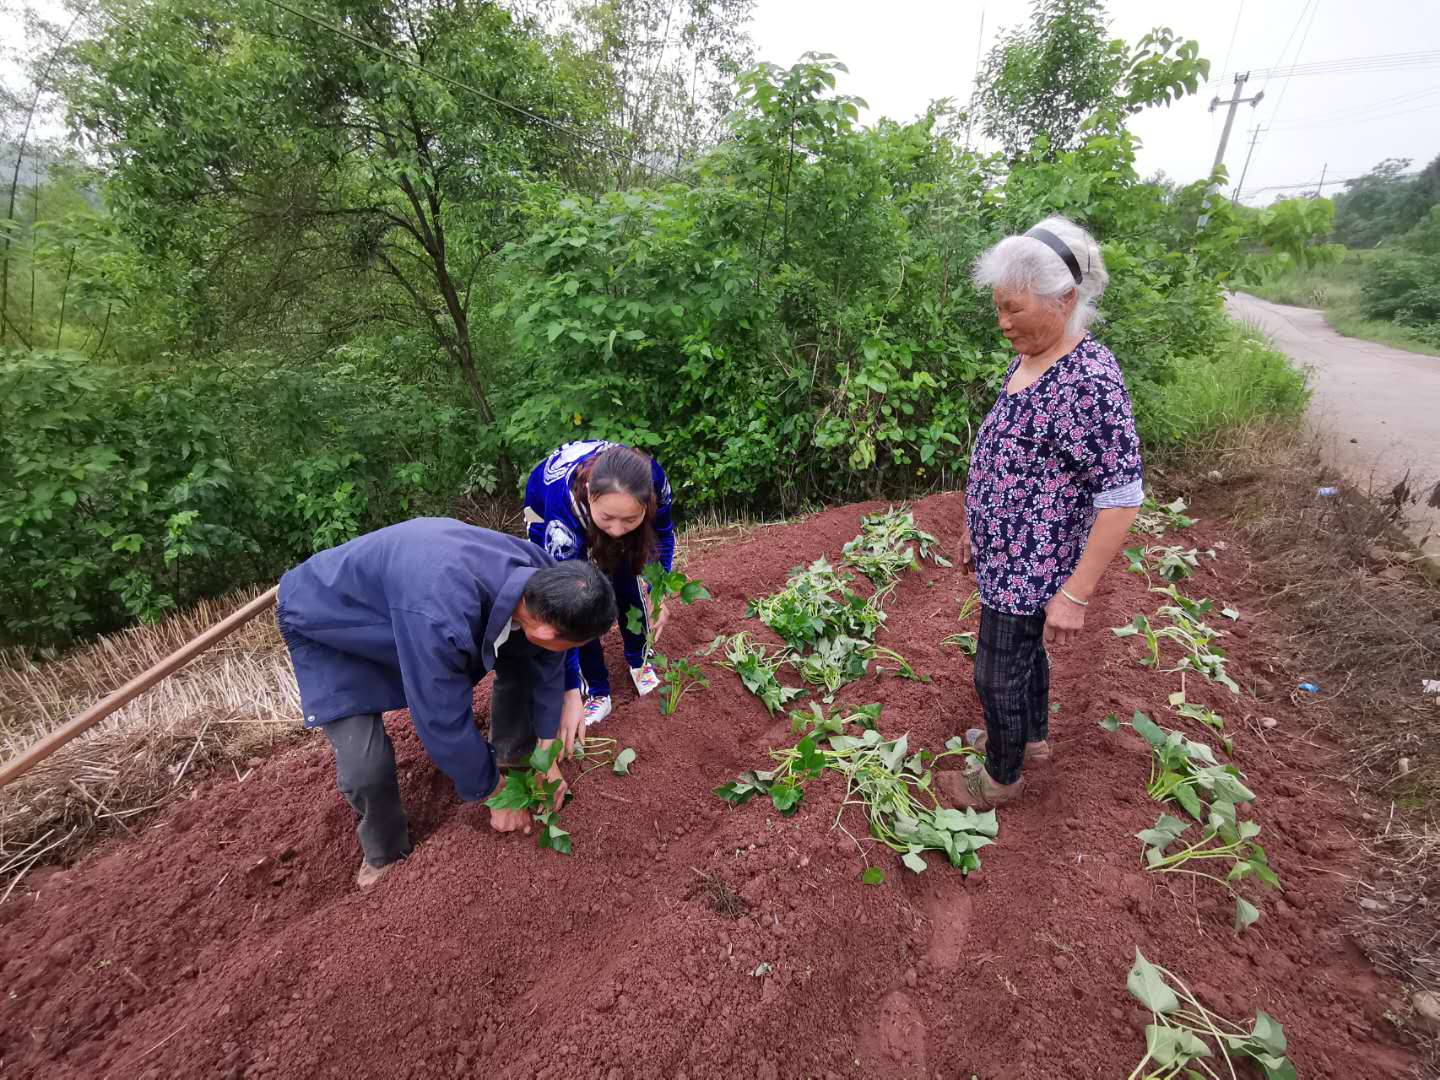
x: 231, y: 703
x: 1363, y: 622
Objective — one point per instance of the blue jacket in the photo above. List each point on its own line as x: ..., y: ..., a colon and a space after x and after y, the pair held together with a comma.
x: 410, y: 615
x: 559, y: 524
x: 565, y: 523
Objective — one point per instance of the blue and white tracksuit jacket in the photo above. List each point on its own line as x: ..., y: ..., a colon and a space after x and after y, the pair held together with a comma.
x: 558, y: 522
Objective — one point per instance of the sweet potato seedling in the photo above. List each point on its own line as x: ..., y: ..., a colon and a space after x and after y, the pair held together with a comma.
x: 1171, y: 563
x: 527, y: 789
x: 1182, y: 769
x: 1194, y: 637
x: 1156, y: 519
x: 817, y: 603
x: 676, y: 676
x: 1193, y: 710
x: 970, y: 605
x: 1224, y: 838
x: 757, y: 668
x: 883, y: 551
x: 1184, y: 1036
x: 814, y: 719
x: 895, y: 789
x: 966, y: 641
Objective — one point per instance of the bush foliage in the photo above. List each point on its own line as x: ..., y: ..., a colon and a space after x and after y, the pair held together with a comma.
x: 267, y: 329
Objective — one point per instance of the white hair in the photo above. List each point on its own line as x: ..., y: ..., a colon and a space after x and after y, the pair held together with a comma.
x: 1024, y: 264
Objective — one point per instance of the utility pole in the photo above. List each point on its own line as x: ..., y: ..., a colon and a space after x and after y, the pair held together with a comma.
x: 1254, y: 138
x: 1234, y: 102
x: 1321, y: 186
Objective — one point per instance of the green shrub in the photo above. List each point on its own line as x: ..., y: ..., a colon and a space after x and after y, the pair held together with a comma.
x: 798, y: 325
x: 131, y: 492
x: 1401, y: 284
x: 1242, y: 381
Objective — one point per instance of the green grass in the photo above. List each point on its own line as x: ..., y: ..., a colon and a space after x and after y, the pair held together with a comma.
x: 1336, y: 291
x: 1244, y: 383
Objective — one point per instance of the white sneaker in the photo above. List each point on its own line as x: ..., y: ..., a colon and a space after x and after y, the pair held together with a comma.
x: 645, y: 678
x: 597, y: 708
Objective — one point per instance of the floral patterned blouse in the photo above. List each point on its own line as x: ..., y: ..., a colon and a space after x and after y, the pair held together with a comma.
x: 1045, y: 461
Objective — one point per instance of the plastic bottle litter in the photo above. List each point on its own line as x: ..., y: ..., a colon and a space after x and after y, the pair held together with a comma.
x: 1327, y: 491
x: 1309, y: 688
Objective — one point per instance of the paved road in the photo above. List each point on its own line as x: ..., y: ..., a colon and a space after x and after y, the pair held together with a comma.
x: 1379, y: 407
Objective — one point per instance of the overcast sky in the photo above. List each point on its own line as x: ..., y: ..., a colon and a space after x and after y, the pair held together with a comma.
x: 903, y: 53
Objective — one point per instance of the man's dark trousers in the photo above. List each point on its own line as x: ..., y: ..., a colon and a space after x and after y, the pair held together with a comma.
x: 365, y: 760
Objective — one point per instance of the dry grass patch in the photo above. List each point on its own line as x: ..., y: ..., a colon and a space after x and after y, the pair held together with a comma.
x: 1364, y: 624
x: 233, y: 702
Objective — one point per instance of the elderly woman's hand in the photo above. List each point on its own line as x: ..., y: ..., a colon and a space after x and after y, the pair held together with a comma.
x: 1064, y: 619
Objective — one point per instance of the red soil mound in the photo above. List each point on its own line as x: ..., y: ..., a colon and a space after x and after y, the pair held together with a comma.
x: 226, y: 940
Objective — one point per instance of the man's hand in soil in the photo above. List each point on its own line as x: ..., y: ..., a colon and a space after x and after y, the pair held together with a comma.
x: 553, y: 775
x: 510, y: 821
x: 572, y: 723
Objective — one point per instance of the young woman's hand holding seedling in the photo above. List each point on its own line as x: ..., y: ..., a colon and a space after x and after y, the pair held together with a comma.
x: 572, y: 722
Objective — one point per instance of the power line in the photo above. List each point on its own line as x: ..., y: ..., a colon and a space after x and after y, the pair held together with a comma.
x: 1266, y: 75
x: 1328, y: 179
x: 1314, y: 11
x: 1346, y: 65
x: 1370, y: 108
x: 400, y: 58
x: 1230, y: 49
x: 1373, y: 117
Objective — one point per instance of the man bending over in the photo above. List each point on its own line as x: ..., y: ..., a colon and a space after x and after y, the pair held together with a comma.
x: 415, y: 615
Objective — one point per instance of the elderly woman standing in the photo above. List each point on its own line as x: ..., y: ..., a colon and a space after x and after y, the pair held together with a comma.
x: 1055, y: 481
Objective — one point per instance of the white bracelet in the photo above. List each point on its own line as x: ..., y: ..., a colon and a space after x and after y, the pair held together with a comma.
x: 1073, y: 600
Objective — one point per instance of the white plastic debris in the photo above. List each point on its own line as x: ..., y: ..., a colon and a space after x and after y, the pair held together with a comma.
x: 1430, y: 686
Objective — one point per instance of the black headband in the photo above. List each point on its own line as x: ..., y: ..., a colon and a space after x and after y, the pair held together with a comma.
x: 1055, y: 244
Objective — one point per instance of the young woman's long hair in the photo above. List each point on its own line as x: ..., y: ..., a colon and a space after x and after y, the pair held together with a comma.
x: 627, y: 471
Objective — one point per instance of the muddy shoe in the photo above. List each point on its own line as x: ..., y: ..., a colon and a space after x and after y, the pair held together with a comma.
x: 369, y: 875
x: 977, y: 791
x: 975, y: 738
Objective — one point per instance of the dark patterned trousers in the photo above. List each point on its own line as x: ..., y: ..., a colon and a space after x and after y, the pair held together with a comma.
x: 1012, y: 677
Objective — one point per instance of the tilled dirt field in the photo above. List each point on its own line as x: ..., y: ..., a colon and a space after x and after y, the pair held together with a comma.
x: 226, y: 939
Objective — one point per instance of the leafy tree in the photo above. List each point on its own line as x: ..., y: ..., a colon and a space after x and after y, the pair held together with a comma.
x: 1402, y: 282
x: 274, y: 154
x: 298, y: 250
x: 26, y: 107
x: 1045, y: 80
x: 797, y: 325
x: 666, y: 72
x: 1385, y: 203
x: 132, y: 491
x: 1295, y: 229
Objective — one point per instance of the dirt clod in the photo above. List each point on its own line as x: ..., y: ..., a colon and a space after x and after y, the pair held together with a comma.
x: 719, y: 897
